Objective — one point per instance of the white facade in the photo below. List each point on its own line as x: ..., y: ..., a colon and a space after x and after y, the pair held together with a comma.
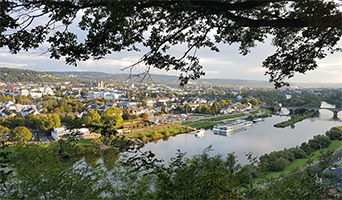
x: 24, y: 92
x: 36, y: 94
x: 58, y: 133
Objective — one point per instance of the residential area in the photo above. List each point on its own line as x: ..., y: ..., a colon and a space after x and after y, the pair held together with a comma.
x: 70, y: 103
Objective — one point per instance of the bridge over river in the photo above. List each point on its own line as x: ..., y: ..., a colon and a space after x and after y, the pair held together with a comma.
x: 291, y: 109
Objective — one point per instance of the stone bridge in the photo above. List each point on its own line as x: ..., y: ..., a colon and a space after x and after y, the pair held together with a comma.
x: 335, y: 111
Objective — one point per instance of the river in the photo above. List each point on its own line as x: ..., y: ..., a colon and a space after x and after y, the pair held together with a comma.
x: 261, y: 138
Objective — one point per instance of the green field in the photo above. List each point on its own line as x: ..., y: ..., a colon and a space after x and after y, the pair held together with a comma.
x: 298, y: 163
x: 227, y: 117
x: 254, y: 112
x: 205, y: 125
x: 86, y: 143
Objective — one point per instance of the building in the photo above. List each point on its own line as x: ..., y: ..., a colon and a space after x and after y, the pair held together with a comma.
x: 62, y: 132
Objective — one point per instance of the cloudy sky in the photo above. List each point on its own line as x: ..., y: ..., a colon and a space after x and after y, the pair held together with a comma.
x: 226, y: 64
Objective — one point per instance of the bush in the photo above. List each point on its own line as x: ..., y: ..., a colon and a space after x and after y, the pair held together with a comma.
x: 280, y: 164
x: 167, y: 134
x: 156, y: 136
x: 143, y: 137
x: 334, y: 133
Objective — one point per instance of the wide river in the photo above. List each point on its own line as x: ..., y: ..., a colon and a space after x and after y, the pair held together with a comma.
x: 261, y: 138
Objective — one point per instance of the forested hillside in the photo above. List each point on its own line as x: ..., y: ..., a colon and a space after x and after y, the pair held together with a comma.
x: 20, y: 75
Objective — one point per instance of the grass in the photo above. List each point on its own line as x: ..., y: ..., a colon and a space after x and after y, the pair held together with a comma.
x: 8, y: 148
x: 198, y: 115
x: 254, y: 112
x: 173, y: 129
x: 199, y: 125
x: 298, y: 163
x: 293, y: 120
x: 227, y: 117
x: 267, y: 111
x: 86, y: 143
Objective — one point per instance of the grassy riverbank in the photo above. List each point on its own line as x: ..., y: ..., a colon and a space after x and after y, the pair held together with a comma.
x: 300, y: 163
x: 294, y: 119
x: 159, y: 132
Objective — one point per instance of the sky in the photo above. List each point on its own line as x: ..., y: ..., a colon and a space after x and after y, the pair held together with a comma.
x: 226, y: 64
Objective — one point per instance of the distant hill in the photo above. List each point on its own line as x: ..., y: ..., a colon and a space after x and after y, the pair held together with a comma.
x: 156, y: 78
x: 21, y: 75
x: 101, y: 76
x: 236, y: 82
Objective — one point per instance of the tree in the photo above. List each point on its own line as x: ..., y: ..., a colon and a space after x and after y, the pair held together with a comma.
x: 303, y: 31
x: 125, y: 115
x: 97, y: 142
x: 4, y: 130
x: 254, y: 102
x: 20, y: 134
x: 186, y: 108
x: 49, y: 122
x: 113, y: 116
x: 144, y: 117
x: 92, y: 119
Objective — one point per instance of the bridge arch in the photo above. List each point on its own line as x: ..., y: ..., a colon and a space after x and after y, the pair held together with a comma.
x: 291, y: 109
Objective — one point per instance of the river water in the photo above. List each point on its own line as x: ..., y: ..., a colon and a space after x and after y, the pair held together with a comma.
x: 261, y: 138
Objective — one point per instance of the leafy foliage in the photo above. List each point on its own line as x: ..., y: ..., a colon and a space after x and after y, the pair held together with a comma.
x: 303, y: 31
x: 20, y: 134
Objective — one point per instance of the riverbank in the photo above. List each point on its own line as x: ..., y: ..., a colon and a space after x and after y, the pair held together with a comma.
x: 294, y: 119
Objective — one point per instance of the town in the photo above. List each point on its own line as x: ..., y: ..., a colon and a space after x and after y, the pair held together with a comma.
x: 51, y: 110
x: 156, y: 103
x: 88, y: 120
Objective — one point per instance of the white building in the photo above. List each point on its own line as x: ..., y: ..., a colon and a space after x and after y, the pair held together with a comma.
x: 24, y: 92
x: 60, y: 133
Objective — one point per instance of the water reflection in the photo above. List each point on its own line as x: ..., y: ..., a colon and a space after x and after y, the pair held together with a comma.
x: 261, y: 138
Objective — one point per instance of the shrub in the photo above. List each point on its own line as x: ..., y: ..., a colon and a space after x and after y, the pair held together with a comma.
x: 156, y: 136
x: 280, y: 164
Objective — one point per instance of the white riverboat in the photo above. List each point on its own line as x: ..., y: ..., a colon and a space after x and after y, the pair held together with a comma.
x: 227, y: 128
x: 200, y: 133
x: 257, y: 120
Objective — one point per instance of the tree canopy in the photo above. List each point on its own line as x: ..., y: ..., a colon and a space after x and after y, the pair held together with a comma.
x: 20, y: 134
x: 302, y: 31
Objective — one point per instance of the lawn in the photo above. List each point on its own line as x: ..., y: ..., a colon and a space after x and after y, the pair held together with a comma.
x: 298, y: 163
x: 198, y: 125
x: 227, y: 117
x: 86, y: 143
x: 254, y: 112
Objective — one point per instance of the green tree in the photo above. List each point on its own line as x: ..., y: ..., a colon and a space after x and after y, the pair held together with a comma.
x: 92, y: 119
x: 144, y: 117
x: 42, y: 172
x: 4, y: 130
x: 280, y: 164
x: 113, y: 116
x: 5, y: 98
x: 244, y: 100
x: 215, y: 108
x: 199, y: 108
x: 125, y: 115
x: 97, y: 142
x: 50, y: 121
x: 223, y: 103
x: 20, y: 134
x: 34, y: 121
x: 156, y: 136
x: 254, y: 102
x: 302, y: 31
